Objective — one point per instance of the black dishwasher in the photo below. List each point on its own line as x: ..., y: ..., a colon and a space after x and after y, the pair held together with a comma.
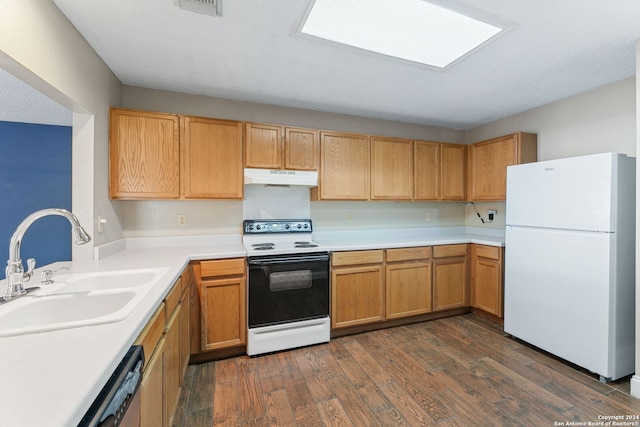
x: 118, y: 404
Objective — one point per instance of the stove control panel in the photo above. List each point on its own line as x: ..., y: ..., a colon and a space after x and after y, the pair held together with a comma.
x: 265, y: 226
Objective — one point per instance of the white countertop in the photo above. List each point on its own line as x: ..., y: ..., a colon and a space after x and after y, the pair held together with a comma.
x: 407, y: 237
x: 52, y: 378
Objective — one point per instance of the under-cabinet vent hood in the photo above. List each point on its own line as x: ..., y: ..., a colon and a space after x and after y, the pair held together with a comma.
x: 280, y: 177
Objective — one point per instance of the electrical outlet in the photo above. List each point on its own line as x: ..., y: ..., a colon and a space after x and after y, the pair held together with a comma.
x: 101, y: 223
x: 491, y: 214
x: 182, y: 220
x: 427, y: 216
x: 349, y: 217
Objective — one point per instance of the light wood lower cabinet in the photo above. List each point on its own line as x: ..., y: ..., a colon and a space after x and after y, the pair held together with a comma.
x: 173, y: 373
x: 486, y: 279
x: 163, y: 370
x: 188, y: 281
x: 222, y: 288
x: 152, y: 413
x: 450, y: 277
x: 408, y: 282
x: 357, y: 288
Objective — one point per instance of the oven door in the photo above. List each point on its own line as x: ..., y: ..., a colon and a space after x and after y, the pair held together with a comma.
x: 288, y: 288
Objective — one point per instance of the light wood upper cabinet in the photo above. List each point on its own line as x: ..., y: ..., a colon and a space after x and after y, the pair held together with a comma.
x: 301, y: 148
x: 144, y: 155
x: 167, y: 156
x: 263, y: 146
x: 391, y: 169
x: 212, y: 158
x: 277, y: 147
x: 426, y: 170
x: 439, y: 171
x: 488, y: 161
x: 453, y: 166
x: 344, y: 167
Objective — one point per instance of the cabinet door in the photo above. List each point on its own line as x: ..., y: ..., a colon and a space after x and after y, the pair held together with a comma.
x: 223, y: 313
x: 344, y: 166
x: 357, y: 295
x: 426, y: 170
x: 172, y: 365
x: 184, y: 332
x: 450, y: 287
x: 391, y: 169
x: 144, y: 158
x: 486, y: 279
x: 263, y: 146
x: 152, y: 389
x: 453, y: 166
x: 212, y: 158
x: 408, y: 289
x: 301, y: 148
x: 488, y: 161
x: 488, y: 167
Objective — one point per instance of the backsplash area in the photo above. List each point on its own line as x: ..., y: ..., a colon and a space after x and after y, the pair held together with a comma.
x: 204, y: 217
x: 274, y: 202
x: 385, y: 214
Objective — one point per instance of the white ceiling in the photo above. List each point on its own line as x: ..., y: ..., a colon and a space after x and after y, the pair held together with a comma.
x: 252, y: 52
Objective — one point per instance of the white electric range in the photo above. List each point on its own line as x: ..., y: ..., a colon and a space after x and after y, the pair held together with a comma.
x: 288, y: 289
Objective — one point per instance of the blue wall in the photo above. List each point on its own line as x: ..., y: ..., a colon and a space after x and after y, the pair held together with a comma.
x: 35, y: 173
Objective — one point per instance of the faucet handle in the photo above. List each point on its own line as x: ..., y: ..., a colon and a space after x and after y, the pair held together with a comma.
x: 31, y: 264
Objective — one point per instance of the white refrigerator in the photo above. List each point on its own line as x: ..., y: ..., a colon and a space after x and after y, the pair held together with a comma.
x: 570, y: 260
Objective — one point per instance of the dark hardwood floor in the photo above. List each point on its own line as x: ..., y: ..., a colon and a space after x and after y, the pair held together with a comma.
x: 457, y: 371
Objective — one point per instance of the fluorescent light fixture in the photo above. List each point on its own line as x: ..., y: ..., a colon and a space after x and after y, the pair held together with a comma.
x: 413, y: 30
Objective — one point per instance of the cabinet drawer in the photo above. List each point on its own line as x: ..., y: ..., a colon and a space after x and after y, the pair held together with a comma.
x: 173, y: 298
x: 491, y: 252
x: 408, y: 254
x: 222, y: 267
x: 449, y: 250
x: 357, y: 257
x: 151, y: 334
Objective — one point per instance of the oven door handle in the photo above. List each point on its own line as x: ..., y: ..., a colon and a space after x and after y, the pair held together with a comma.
x: 270, y: 261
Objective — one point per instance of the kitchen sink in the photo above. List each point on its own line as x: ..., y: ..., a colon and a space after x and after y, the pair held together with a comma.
x: 120, y: 279
x: 77, y: 300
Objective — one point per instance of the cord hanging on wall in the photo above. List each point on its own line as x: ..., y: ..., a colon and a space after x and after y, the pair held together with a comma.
x: 476, y: 211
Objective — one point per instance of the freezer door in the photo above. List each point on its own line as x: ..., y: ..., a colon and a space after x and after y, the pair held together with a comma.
x: 557, y: 293
x: 574, y: 193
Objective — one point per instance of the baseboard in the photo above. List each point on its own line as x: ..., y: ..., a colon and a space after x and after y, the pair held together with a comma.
x: 635, y: 386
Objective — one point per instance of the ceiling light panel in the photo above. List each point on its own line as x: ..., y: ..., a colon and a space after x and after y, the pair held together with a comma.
x: 413, y: 30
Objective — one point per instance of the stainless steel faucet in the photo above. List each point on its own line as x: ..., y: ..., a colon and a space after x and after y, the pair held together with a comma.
x: 16, y: 275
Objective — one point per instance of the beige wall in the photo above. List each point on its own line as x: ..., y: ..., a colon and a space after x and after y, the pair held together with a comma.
x: 596, y: 121
x: 39, y: 46
x: 142, y: 218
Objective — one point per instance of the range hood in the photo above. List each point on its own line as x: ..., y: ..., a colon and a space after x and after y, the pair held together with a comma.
x: 280, y: 177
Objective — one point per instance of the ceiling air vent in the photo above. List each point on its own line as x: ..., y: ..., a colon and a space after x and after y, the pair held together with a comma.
x: 206, y: 7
